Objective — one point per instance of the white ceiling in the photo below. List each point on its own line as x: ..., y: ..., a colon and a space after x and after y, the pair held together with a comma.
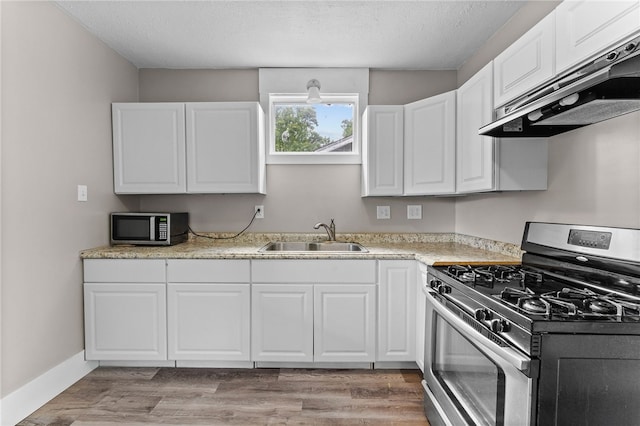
x: 391, y: 34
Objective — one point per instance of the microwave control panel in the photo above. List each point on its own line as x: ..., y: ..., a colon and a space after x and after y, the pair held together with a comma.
x: 162, y: 229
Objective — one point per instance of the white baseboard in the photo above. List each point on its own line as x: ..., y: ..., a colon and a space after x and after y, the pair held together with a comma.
x: 214, y: 364
x: 332, y: 365
x: 24, y: 401
x: 395, y: 365
x: 136, y: 363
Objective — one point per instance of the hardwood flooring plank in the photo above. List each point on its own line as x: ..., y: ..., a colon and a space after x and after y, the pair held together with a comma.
x: 348, y: 376
x: 192, y: 396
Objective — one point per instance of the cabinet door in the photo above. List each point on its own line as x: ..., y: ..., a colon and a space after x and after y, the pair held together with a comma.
x: 225, y: 149
x: 148, y: 148
x: 525, y: 64
x: 125, y: 321
x: 397, y: 311
x: 421, y: 301
x: 282, y: 322
x: 475, y: 153
x: 429, y: 145
x: 344, y: 323
x: 209, y: 321
x: 382, y: 150
x: 586, y: 28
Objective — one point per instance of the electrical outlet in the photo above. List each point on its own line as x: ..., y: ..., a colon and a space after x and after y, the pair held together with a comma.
x: 259, y: 212
x: 414, y: 211
x: 383, y: 212
x: 82, y: 193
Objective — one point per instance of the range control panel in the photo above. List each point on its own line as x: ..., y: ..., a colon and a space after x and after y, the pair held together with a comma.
x: 591, y: 239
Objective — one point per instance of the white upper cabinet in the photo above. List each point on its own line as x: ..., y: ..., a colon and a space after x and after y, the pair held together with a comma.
x: 487, y: 164
x: 525, y: 64
x: 218, y: 149
x: 225, y: 147
x: 429, y: 145
x: 148, y: 148
x: 475, y: 153
x: 410, y: 149
x: 586, y: 28
x: 382, y: 151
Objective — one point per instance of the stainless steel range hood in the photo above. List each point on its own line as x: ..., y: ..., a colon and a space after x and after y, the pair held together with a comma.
x: 605, y: 88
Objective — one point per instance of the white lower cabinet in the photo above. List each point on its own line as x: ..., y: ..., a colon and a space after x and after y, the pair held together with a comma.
x: 235, y: 312
x: 208, y: 310
x: 397, y: 311
x: 282, y: 322
x: 313, y: 310
x: 208, y: 321
x: 344, y: 324
x: 125, y: 321
x: 421, y: 309
x: 125, y: 310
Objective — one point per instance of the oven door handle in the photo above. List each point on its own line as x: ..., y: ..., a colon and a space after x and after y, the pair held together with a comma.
x: 518, y: 360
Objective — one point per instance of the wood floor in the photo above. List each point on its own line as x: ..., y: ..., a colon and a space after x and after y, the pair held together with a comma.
x: 185, y: 396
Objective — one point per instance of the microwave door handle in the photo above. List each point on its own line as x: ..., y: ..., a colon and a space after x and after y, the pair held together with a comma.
x: 513, y: 357
x: 152, y: 228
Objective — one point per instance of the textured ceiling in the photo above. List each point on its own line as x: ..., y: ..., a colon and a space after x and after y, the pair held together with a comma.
x: 433, y: 35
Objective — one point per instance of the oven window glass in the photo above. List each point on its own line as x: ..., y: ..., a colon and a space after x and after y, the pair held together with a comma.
x: 131, y: 228
x: 472, y: 380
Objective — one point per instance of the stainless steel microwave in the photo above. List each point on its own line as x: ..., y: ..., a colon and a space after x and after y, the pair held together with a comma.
x: 149, y: 229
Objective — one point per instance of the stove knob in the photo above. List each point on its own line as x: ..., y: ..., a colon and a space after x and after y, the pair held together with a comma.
x: 629, y: 47
x: 483, y: 314
x: 611, y: 56
x: 500, y: 326
x: 435, y: 284
x: 443, y: 289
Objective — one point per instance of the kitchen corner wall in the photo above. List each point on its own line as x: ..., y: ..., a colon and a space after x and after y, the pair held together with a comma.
x: 58, y: 82
x: 298, y: 196
x: 594, y: 178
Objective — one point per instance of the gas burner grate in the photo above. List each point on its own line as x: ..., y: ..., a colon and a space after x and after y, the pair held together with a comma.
x: 570, y: 303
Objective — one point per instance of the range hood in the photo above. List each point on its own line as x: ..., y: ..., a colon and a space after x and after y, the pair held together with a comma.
x: 607, y: 87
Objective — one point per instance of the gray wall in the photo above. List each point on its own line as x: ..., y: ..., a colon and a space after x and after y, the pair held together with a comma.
x: 299, y: 196
x: 594, y: 176
x: 57, y: 85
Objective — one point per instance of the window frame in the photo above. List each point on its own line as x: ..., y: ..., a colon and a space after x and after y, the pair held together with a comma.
x: 353, y: 157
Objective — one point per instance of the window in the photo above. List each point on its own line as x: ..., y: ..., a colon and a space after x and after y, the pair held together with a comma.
x: 345, y: 95
x: 325, y: 132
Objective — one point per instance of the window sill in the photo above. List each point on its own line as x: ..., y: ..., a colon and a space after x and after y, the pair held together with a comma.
x: 293, y: 158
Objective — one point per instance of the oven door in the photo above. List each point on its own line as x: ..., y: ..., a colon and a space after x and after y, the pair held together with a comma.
x: 469, y: 379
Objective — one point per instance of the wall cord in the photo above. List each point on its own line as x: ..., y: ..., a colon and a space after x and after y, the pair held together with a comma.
x: 225, y: 238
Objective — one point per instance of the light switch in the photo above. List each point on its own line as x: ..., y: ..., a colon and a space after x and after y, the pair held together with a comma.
x: 82, y: 193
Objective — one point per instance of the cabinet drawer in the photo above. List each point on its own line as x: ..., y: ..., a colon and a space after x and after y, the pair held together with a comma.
x: 124, y: 270
x: 210, y: 271
x: 313, y: 271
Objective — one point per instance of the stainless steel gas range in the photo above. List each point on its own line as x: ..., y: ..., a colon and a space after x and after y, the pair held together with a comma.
x: 553, y: 341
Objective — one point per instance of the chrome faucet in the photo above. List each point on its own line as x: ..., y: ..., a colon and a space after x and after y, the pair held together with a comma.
x: 331, y: 229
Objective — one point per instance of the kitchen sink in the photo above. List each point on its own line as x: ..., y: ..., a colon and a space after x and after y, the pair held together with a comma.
x: 302, y: 246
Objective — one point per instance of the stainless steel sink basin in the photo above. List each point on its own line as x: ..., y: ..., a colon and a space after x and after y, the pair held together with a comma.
x: 302, y: 246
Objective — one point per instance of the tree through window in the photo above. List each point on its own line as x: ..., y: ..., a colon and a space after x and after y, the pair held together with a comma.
x: 325, y: 127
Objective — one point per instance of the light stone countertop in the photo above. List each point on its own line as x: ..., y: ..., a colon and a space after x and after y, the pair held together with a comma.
x: 431, y: 249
